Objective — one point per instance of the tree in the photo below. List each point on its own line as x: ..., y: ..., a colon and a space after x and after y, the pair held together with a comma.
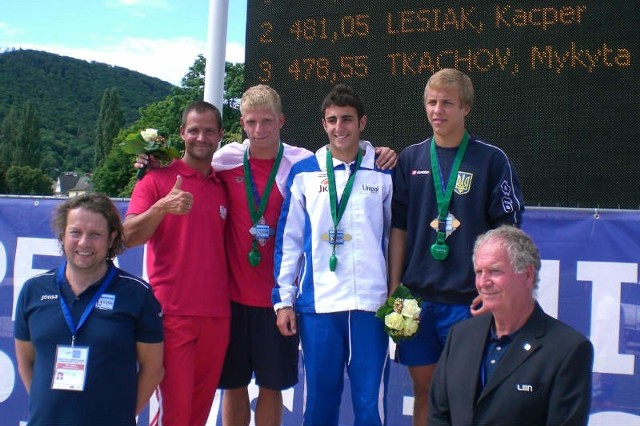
x: 193, y: 82
x: 165, y: 115
x: 110, y: 121
x: 28, y: 150
x: 50, y: 164
x: 194, y: 78
x: 233, y: 84
x: 8, y: 136
x: 233, y: 87
x: 26, y: 180
x: 114, y: 176
x: 67, y: 93
x: 3, y: 173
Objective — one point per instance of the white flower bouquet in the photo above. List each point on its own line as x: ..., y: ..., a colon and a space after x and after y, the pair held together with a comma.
x: 400, y: 314
x: 150, y: 141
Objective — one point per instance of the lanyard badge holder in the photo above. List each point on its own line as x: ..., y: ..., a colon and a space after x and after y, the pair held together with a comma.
x: 338, y: 207
x: 440, y: 250
x: 258, y: 204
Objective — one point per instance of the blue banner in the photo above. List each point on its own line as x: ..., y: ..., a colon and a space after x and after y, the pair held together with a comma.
x: 589, y: 280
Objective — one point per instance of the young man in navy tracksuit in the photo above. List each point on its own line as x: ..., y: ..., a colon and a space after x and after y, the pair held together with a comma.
x: 448, y: 189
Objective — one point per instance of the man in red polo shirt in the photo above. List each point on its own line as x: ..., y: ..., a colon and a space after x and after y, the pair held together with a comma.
x: 180, y: 212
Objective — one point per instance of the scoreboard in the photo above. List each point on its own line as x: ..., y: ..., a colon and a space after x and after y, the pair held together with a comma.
x: 557, y: 83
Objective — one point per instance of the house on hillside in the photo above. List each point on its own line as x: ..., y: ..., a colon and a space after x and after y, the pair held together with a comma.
x: 70, y: 184
x: 83, y: 185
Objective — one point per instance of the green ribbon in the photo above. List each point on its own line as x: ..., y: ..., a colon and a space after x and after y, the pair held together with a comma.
x: 338, y: 207
x: 251, y: 190
x: 440, y: 250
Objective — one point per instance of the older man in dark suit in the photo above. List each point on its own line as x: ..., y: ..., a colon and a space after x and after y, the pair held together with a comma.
x: 514, y: 365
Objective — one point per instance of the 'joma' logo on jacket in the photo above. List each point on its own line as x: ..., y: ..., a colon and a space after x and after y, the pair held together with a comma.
x: 49, y: 297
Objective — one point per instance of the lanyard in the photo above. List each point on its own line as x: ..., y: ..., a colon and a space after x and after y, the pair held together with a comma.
x: 87, y: 310
x: 338, y: 206
x: 258, y: 204
x: 443, y: 195
x: 253, y: 197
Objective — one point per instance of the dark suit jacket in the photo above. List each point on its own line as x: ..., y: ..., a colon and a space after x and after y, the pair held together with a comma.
x: 543, y: 379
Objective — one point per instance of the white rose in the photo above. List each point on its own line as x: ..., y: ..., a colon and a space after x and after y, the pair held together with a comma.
x: 149, y: 135
x: 394, y: 321
x: 410, y: 309
x: 410, y: 327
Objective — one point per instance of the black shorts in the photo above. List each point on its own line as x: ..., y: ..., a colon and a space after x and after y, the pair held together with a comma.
x: 257, y: 347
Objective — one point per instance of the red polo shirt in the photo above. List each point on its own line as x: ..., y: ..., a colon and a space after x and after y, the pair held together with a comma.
x: 186, y: 260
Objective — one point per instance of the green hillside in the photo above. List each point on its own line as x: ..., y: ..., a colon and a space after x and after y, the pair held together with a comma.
x: 67, y: 93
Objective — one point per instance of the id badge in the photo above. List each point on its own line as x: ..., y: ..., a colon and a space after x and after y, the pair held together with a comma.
x: 70, y: 368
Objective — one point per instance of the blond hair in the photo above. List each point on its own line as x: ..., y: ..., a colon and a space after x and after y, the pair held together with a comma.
x: 448, y: 77
x: 260, y: 96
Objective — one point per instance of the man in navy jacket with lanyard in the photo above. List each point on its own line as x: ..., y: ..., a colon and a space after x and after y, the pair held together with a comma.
x: 88, y: 335
x: 448, y: 189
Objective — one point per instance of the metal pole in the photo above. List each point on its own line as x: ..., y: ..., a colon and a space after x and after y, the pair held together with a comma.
x: 216, y: 51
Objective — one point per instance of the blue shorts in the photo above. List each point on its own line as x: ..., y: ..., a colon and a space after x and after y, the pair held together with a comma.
x: 435, y: 321
x: 257, y: 347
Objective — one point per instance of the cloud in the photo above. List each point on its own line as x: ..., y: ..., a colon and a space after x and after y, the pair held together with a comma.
x: 234, y: 53
x: 166, y: 59
x: 146, y: 4
x: 9, y: 30
x: 138, y: 8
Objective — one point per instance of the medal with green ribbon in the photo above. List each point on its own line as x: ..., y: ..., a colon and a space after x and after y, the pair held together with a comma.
x: 338, y: 207
x: 257, y: 204
x: 440, y: 250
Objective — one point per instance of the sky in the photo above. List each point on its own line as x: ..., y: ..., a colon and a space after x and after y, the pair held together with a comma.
x: 159, y: 38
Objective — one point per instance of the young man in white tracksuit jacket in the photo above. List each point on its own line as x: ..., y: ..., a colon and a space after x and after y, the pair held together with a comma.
x: 330, y: 266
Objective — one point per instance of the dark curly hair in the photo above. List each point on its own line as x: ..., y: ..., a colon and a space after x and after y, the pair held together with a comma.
x: 343, y: 96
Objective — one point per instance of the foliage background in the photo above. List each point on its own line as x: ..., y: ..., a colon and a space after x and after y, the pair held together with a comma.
x: 115, y: 176
x: 67, y: 95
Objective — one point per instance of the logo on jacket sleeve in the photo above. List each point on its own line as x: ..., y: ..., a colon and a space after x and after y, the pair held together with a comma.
x: 507, y: 201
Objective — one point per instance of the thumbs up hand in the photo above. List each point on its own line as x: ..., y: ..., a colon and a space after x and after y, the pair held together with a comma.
x: 177, y: 201
x: 178, y: 183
